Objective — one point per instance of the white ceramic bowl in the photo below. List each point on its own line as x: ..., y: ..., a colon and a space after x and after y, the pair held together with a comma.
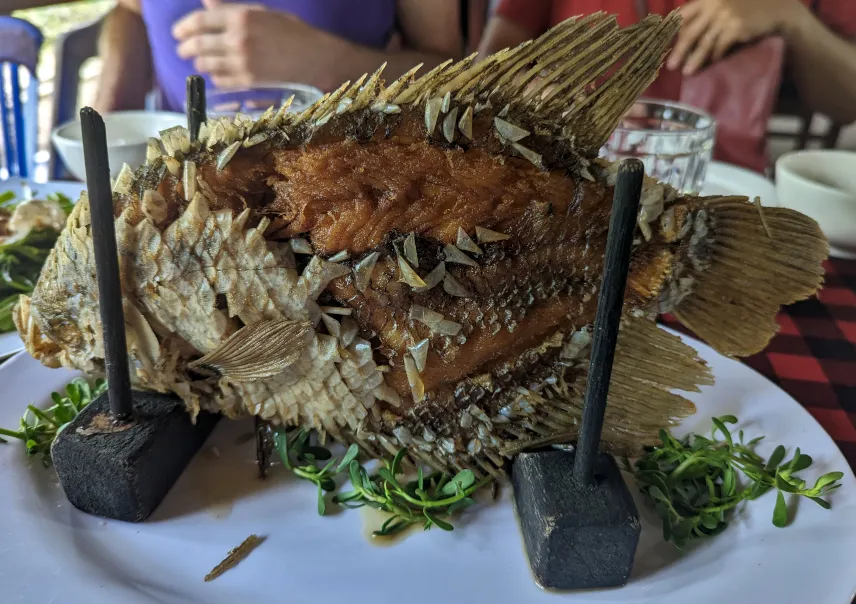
x: 127, y: 136
x: 822, y: 185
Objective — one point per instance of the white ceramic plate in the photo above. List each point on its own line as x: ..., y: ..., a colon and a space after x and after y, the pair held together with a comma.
x: 726, y: 179
x: 10, y: 343
x: 51, y: 552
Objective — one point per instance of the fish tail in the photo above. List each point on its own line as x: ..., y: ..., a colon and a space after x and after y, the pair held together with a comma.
x: 745, y: 262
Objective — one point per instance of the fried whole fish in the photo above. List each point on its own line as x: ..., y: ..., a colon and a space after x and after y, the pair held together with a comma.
x: 418, y: 264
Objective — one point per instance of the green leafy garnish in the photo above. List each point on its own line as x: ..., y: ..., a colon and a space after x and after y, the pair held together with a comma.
x: 21, y: 261
x: 299, y: 456
x: 39, y: 427
x: 694, y: 482
x: 429, y: 500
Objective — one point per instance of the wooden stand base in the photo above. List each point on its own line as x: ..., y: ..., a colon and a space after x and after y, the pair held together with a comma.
x: 577, y: 536
x: 124, y: 470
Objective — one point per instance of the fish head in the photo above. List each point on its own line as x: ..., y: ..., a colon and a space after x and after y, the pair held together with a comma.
x: 59, y: 321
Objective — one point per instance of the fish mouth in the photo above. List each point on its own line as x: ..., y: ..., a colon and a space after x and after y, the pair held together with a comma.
x: 39, y: 346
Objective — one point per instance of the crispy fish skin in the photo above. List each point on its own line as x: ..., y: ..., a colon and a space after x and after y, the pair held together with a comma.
x: 418, y: 265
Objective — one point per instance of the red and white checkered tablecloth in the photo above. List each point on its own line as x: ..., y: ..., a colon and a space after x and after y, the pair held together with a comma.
x: 813, y: 357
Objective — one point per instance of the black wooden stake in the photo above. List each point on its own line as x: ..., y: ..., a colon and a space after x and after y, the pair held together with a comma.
x: 622, y: 225
x: 197, y: 112
x: 106, y: 263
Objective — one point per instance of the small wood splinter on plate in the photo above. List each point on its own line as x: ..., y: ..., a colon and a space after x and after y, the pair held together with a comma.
x: 236, y: 556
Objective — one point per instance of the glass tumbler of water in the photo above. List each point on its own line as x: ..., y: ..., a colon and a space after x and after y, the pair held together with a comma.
x: 674, y: 141
x: 254, y: 101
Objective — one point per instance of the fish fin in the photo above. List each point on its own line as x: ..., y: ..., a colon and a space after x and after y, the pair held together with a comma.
x: 257, y: 351
x: 650, y: 364
x: 567, y: 90
x: 140, y: 336
x: 38, y: 346
x: 591, y: 54
x: 754, y: 261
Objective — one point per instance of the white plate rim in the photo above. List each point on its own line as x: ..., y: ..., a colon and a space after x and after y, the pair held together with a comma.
x: 10, y: 344
x: 740, y: 181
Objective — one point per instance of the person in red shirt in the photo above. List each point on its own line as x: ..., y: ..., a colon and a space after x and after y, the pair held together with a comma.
x: 820, y: 36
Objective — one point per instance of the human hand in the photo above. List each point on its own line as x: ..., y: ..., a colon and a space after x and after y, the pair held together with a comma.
x: 712, y: 27
x: 241, y: 45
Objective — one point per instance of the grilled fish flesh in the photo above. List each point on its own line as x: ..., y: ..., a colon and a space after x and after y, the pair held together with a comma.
x: 418, y: 264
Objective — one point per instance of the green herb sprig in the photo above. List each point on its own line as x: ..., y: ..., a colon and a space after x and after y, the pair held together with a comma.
x: 695, y: 482
x: 64, y: 201
x: 299, y: 456
x: 429, y: 500
x: 39, y: 427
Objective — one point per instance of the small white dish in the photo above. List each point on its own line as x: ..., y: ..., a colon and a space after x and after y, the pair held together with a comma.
x: 822, y: 185
x: 128, y: 133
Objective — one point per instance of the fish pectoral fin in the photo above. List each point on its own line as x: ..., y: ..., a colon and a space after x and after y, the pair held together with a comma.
x: 257, y: 351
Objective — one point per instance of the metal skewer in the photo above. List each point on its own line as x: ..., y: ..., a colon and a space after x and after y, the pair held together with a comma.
x: 619, y: 243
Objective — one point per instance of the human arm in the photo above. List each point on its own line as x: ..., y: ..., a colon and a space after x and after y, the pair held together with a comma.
x: 501, y: 33
x: 823, y: 67
x: 126, y: 62
x: 822, y: 63
x: 243, y: 45
x: 514, y: 22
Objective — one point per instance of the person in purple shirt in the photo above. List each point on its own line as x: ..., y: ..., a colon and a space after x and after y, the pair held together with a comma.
x: 323, y: 43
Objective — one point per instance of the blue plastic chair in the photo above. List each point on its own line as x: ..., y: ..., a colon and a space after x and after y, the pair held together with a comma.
x: 20, y: 43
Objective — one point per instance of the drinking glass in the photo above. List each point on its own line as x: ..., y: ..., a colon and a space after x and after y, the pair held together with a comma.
x: 256, y: 100
x: 673, y: 140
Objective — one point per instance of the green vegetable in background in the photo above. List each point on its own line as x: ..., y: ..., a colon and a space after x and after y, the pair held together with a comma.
x: 64, y: 202
x: 21, y: 261
x: 695, y: 482
x: 20, y: 265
